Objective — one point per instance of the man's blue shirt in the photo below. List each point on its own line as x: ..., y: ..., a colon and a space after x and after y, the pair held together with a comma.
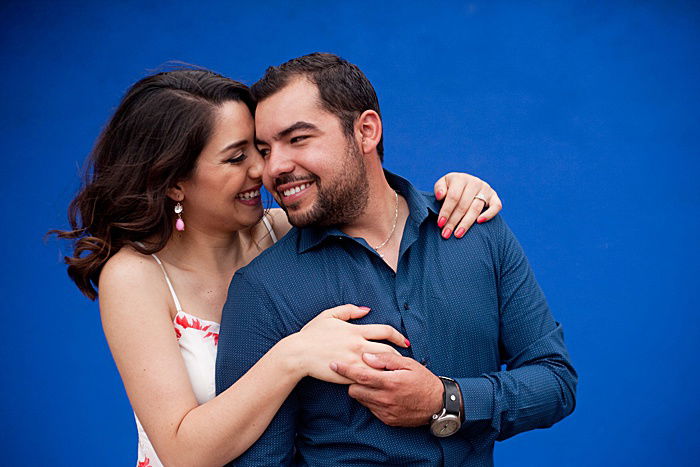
x: 467, y: 305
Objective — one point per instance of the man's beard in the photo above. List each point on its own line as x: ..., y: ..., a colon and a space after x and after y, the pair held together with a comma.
x: 341, y: 200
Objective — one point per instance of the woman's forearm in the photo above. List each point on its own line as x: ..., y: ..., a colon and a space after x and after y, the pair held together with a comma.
x: 221, y: 429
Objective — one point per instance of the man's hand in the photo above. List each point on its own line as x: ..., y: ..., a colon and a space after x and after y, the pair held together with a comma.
x: 398, y: 390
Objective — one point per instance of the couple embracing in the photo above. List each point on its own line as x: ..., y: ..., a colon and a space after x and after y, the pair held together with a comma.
x: 380, y: 327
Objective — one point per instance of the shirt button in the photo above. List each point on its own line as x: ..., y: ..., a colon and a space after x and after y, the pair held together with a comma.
x: 405, y: 306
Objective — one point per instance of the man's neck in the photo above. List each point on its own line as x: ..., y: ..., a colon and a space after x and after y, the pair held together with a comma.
x: 384, y: 217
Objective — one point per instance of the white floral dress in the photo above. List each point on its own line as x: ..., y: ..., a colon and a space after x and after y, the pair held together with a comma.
x: 198, y: 340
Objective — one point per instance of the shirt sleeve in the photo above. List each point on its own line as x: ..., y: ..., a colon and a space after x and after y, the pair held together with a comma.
x: 249, y: 328
x: 538, y: 387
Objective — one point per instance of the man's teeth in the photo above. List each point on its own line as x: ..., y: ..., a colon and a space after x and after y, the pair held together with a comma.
x: 296, y: 189
x: 249, y: 194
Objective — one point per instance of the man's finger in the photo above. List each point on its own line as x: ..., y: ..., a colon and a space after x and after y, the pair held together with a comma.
x: 376, y: 408
x: 361, y: 375
x: 366, y: 395
x: 385, y: 361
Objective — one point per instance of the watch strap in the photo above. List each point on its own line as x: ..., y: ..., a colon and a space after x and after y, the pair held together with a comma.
x: 452, y: 397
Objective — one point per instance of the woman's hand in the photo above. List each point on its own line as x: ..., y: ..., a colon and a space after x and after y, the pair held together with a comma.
x: 461, y: 205
x: 330, y: 338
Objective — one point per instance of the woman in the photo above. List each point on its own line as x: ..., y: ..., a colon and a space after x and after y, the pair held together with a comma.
x: 170, y: 210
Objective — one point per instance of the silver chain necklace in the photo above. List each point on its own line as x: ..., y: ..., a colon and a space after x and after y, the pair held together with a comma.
x: 393, y: 228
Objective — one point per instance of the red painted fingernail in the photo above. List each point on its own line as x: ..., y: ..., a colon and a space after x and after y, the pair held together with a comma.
x: 446, y: 233
x: 408, y: 343
x: 460, y: 232
x: 481, y: 220
x: 364, y: 308
x: 439, y: 194
x: 442, y: 221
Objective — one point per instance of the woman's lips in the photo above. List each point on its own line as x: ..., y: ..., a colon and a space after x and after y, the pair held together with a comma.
x: 249, y: 197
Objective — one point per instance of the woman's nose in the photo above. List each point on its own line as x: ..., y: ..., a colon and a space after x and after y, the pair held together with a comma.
x: 255, y: 170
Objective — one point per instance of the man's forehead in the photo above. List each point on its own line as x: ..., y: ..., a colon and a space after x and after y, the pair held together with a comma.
x: 297, y: 93
x: 299, y: 100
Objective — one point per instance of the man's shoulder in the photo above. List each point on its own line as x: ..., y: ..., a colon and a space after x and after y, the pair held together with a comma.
x: 482, y: 242
x: 281, y: 265
x: 491, y: 232
x: 272, y: 260
x: 290, y: 285
x: 265, y: 279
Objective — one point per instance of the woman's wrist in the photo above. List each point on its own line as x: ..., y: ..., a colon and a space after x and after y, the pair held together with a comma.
x: 290, y: 355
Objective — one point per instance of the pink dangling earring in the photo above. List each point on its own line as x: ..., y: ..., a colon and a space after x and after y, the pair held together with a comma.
x: 179, y: 223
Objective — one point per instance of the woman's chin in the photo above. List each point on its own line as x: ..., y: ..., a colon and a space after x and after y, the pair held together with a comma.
x: 250, y: 220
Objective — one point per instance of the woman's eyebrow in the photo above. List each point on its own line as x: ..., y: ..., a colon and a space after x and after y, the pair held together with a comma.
x: 237, y: 144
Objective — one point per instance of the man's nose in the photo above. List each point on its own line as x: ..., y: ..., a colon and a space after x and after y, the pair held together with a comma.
x: 278, y: 163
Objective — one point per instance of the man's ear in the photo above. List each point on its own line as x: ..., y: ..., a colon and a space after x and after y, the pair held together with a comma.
x: 176, y: 193
x: 369, y: 126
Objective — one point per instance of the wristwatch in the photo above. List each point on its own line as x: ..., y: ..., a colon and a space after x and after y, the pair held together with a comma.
x: 449, y: 419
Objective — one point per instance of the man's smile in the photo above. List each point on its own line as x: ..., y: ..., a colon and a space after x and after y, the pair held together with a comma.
x: 291, y: 192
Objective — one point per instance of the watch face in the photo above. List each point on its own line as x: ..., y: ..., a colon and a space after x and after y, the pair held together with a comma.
x: 445, y: 426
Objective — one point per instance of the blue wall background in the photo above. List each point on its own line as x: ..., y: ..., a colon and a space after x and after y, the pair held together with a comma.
x: 584, y: 115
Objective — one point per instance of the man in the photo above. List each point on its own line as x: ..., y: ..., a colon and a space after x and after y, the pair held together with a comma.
x: 367, y: 237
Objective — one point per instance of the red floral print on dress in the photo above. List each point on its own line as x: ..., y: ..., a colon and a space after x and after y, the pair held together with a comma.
x: 144, y: 463
x: 195, y: 324
x: 215, y: 335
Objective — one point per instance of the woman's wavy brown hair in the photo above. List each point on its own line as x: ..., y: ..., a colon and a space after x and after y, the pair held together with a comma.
x: 151, y: 143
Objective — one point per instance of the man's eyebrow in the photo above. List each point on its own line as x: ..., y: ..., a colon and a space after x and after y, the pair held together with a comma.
x: 237, y: 144
x: 290, y: 129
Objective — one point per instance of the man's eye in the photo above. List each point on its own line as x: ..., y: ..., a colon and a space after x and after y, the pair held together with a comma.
x: 264, y: 152
x: 237, y: 159
x: 298, y: 139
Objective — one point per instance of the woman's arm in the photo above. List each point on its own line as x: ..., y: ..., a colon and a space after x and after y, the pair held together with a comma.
x: 134, y: 306
x: 459, y: 210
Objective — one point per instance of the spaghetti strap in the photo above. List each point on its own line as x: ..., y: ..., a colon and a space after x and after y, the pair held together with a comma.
x: 170, y: 285
x: 167, y: 279
x: 197, y: 340
x: 269, y: 228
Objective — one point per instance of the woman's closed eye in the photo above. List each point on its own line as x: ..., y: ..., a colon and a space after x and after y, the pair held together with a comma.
x: 236, y: 159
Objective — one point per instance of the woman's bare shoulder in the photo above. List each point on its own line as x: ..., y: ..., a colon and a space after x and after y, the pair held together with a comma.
x: 128, y: 265
x: 130, y: 275
x: 279, y: 221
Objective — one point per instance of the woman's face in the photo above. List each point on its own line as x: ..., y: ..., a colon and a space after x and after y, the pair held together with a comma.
x: 223, y: 194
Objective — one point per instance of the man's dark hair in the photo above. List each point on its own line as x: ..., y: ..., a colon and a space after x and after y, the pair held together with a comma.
x: 345, y: 91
